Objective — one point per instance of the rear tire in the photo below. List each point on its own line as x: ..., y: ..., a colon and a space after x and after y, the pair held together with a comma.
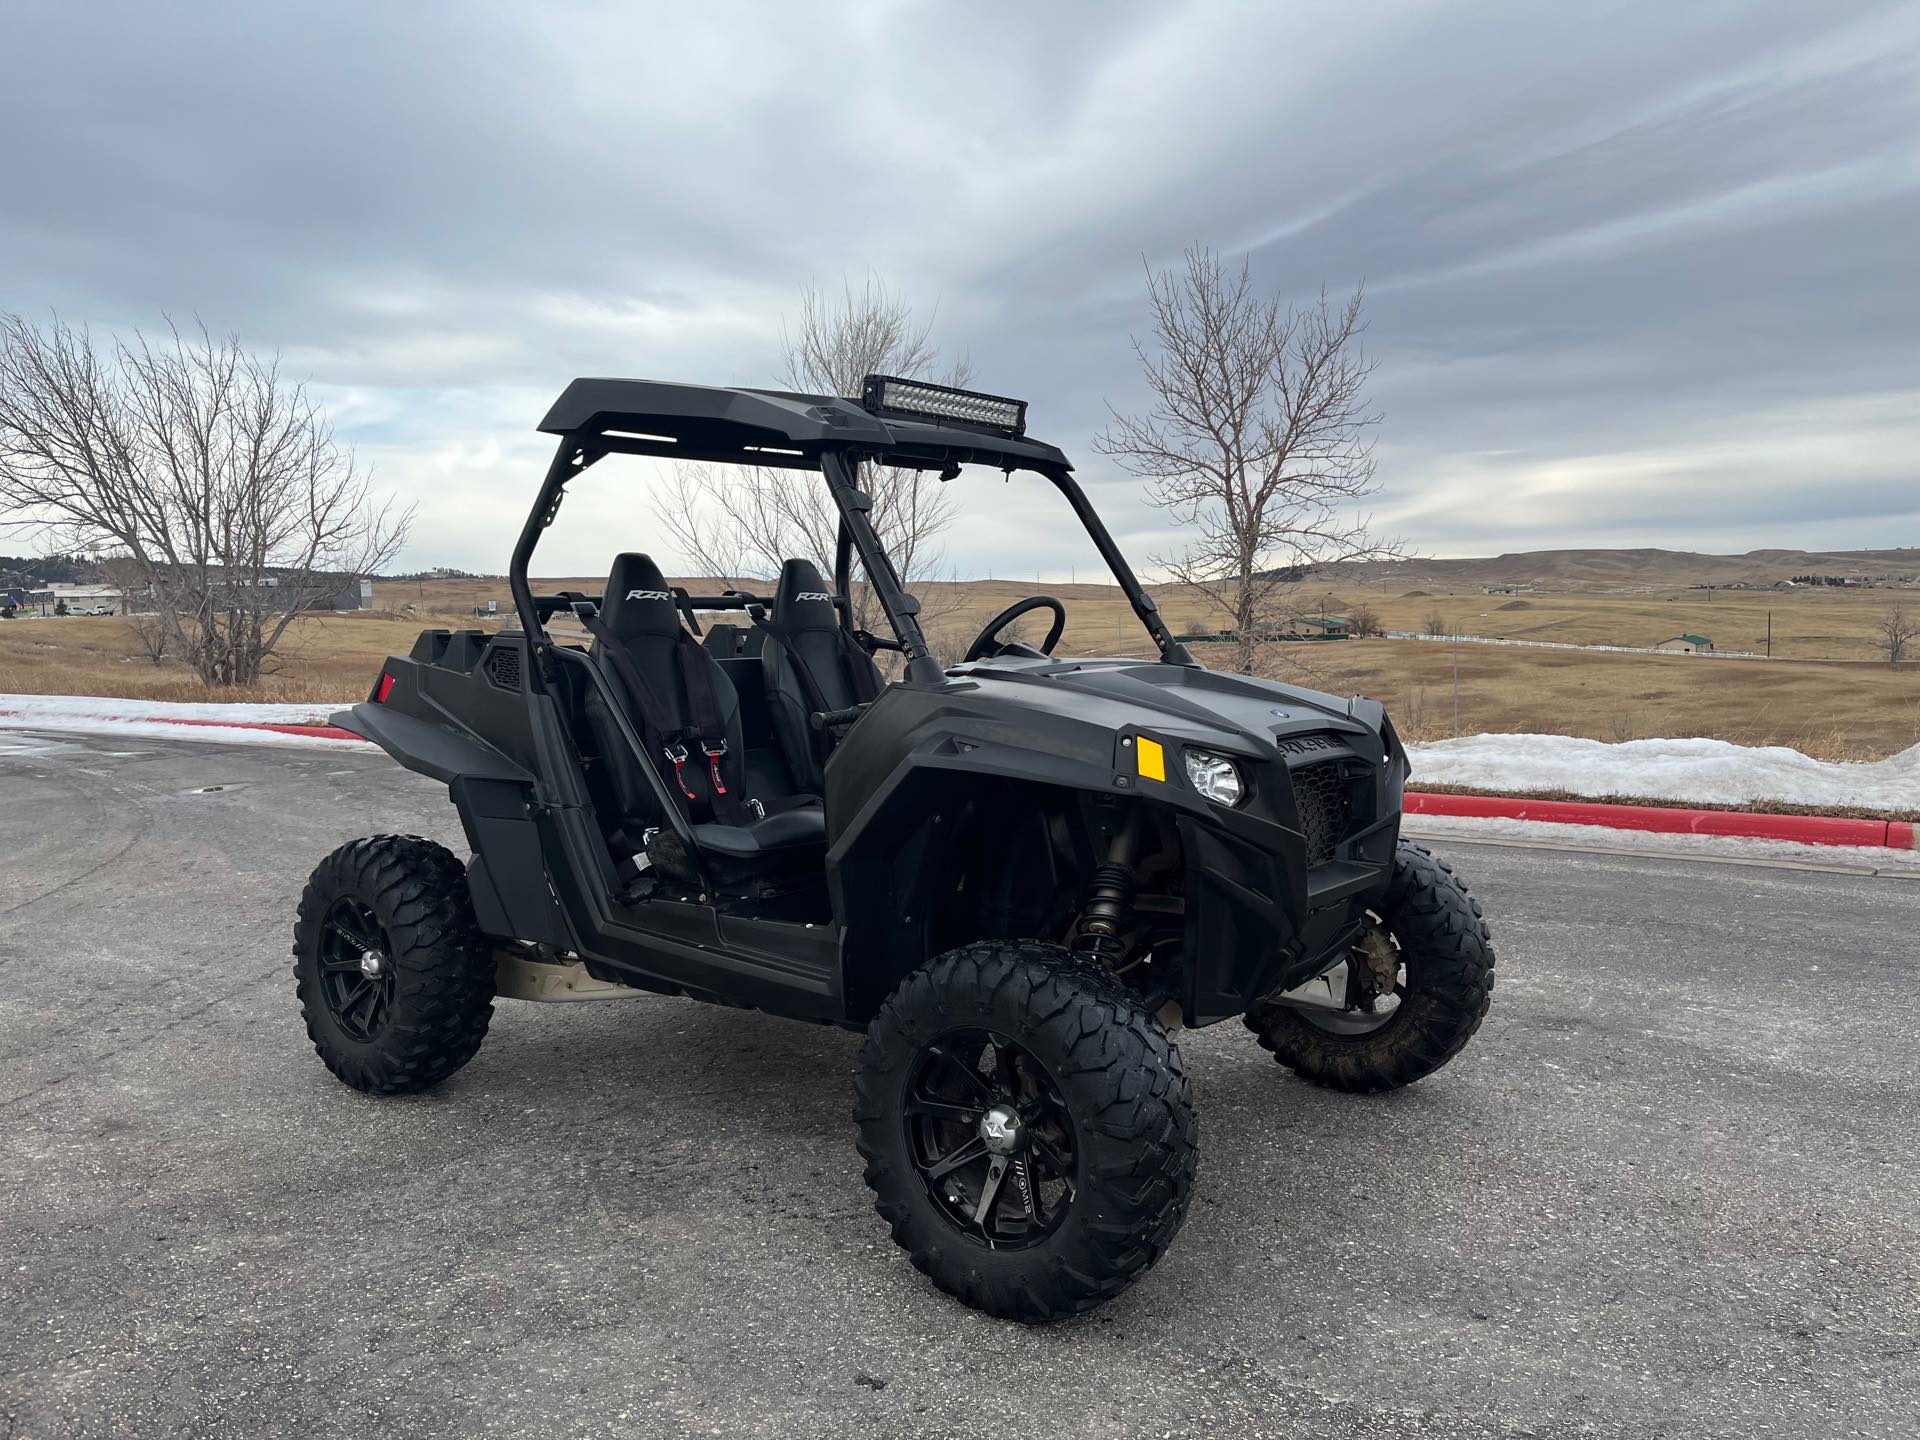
x: 394, y: 980
x: 1447, y: 959
x: 1093, y: 1130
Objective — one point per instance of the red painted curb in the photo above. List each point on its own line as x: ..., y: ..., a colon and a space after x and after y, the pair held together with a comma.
x: 321, y: 732
x: 318, y: 732
x: 1803, y: 829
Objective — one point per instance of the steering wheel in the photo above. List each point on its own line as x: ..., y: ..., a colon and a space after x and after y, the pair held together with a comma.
x: 984, y: 647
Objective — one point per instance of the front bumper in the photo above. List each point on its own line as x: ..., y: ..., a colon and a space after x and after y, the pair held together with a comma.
x: 1277, y: 891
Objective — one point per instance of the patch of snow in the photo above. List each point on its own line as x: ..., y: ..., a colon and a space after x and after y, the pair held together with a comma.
x: 93, y: 714
x: 1698, y: 772
x: 100, y: 707
x: 161, y: 730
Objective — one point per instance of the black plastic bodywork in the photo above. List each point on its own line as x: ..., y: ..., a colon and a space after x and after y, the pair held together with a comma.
x: 1259, y: 914
x: 962, y: 804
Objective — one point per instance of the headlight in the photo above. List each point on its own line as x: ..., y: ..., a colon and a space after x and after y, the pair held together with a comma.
x: 1215, y: 777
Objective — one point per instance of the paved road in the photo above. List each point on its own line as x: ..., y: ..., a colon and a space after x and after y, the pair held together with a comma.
x: 1670, y: 1190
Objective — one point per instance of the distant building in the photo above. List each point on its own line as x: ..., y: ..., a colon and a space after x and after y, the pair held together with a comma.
x: 331, y: 592
x: 355, y: 593
x: 1509, y: 589
x: 1317, y: 627
x: 1687, y: 645
x: 1299, y: 627
x: 86, y: 597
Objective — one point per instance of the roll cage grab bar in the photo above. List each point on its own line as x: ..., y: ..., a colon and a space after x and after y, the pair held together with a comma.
x: 580, y: 449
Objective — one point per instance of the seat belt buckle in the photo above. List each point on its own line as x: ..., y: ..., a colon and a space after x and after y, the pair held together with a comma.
x: 714, y: 754
x: 677, y: 753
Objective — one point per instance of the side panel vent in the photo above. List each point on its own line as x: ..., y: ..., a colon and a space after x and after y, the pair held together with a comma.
x: 503, y: 668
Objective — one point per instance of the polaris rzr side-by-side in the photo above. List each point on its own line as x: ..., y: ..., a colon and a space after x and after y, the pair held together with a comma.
x: 1019, y: 875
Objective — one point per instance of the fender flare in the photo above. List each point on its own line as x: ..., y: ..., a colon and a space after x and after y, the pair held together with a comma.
x: 433, y: 750
x: 511, y: 897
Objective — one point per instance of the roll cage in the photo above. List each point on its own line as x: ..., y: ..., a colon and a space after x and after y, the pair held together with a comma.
x: 595, y: 418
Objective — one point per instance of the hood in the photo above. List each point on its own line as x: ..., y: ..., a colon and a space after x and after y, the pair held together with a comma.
x: 1182, y: 700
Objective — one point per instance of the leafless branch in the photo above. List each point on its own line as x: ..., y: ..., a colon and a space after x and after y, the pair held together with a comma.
x: 1894, y: 632
x: 214, y: 484
x: 1258, y: 440
x: 741, y: 522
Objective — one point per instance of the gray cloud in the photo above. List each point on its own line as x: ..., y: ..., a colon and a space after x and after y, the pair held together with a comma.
x: 1641, y: 275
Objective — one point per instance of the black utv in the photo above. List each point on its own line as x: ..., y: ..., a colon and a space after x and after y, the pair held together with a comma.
x: 1019, y: 875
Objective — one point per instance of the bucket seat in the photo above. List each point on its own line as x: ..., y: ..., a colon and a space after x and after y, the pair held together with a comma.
x: 685, y: 711
x: 810, y: 662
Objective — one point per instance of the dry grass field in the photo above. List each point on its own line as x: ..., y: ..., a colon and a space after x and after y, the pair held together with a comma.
x: 1807, y: 624
x: 1832, y: 710
x: 1825, y: 697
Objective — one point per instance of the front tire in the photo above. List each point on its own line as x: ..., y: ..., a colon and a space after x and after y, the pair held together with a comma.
x: 1445, y: 959
x: 393, y: 978
x: 1028, y: 1129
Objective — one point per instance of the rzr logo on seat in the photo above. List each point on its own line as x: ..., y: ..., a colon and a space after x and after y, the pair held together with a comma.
x: 648, y: 595
x: 813, y: 595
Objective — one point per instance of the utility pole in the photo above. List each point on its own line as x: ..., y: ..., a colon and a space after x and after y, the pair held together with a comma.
x: 1769, y: 634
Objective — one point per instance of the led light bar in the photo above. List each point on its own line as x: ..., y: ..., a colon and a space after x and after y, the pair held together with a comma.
x: 922, y: 400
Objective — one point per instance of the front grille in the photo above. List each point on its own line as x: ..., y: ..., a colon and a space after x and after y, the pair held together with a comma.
x: 1325, y: 801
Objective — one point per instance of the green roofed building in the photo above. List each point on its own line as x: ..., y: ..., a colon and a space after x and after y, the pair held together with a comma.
x: 1687, y: 645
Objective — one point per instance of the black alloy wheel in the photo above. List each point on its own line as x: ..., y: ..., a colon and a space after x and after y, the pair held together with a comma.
x: 394, y: 979
x: 991, y: 1139
x: 1403, y: 1002
x: 356, y: 969
x: 1027, y: 1128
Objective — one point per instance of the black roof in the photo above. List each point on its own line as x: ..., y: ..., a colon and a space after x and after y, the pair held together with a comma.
x: 771, y: 427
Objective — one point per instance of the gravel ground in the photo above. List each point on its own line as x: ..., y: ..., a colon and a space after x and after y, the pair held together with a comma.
x: 1669, y: 1190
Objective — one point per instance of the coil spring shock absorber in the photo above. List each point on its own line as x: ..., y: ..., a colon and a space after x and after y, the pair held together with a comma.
x: 1106, y: 914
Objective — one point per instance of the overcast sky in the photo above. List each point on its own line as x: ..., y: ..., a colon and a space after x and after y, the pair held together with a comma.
x: 1638, y: 274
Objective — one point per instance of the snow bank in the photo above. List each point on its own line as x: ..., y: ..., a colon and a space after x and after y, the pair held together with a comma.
x: 1698, y: 772
x: 163, y: 719
x: 96, y: 707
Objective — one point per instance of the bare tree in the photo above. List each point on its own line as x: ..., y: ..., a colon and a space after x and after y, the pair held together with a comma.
x: 1363, y: 621
x: 1258, y: 439
x: 215, y: 484
x: 1436, y: 624
x: 740, y: 522
x: 1894, y: 631
x: 151, y: 631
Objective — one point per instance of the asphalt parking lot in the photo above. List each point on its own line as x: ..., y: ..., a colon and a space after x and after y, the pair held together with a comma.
x: 1669, y: 1190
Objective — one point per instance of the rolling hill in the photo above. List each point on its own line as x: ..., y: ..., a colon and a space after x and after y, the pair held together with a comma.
x: 1621, y: 570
